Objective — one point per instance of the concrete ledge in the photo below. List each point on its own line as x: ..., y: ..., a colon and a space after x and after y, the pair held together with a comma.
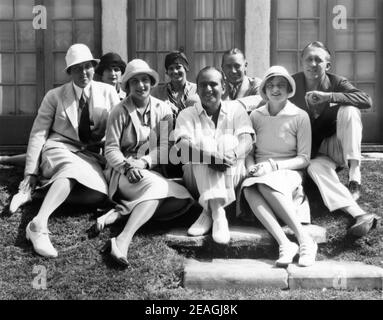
x: 372, y: 156
x: 249, y: 273
x: 233, y: 273
x: 241, y: 236
x: 337, y: 275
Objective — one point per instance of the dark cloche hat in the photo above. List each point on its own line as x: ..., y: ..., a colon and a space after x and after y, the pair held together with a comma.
x: 110, y: 59
x: 176, y: 57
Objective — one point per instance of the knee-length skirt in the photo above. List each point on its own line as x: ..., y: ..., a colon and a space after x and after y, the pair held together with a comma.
x: 60, y: 162
x: 153, y: 186
x: 287, y: 182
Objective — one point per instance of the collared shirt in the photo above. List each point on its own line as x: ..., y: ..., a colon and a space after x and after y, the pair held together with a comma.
x: 177, y: 101
x: 87, y: 92
x: 195, y: 125
x: 283, y: 136
x: 248, y: 87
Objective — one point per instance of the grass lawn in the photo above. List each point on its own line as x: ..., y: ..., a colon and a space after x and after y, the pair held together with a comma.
x: 82, y: 272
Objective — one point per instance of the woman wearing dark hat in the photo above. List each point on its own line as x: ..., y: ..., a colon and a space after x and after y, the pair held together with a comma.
x: 110, y: 70
x: 178, y: 90
x: 137, y: 141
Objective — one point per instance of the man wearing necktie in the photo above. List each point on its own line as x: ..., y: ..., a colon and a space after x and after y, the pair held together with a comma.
x: 84, y: 132
x: 63, y: 148
x: 238, y: 84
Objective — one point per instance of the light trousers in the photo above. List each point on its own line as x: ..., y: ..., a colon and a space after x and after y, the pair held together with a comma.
x: 335, y: 152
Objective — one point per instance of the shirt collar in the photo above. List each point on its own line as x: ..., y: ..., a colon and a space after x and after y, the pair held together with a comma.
x: 186, y: 87
x: 288, y: 110
x: 78, y: 90
x: 200, y: 109
x: 237, y: 85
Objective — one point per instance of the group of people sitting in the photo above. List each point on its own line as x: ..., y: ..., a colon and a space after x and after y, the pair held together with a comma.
x: 230, y: 137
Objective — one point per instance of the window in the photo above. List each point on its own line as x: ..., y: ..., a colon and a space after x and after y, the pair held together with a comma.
x: 32, y: 61
x: 203, y: 29
x: 355, y: 49
x: 18, y: 56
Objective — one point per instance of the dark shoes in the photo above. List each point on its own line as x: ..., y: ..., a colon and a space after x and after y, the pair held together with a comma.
x: 354, y: 188
x: 363, y: 225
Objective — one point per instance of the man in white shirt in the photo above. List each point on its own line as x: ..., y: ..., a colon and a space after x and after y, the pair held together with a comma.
x: 214, y: 137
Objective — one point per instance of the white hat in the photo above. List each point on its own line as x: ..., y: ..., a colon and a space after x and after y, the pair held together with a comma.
x: 276, y: 71
x: 137, y: 66
x: 78, y: 53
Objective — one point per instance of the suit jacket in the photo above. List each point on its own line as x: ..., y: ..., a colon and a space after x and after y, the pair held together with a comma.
x: 56, y: 124
x: 249, y: 87
x: 343, y: 94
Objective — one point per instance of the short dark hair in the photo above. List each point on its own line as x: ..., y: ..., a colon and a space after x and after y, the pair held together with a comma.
x: 230, y: 52
x: 207, y: 69
x: 317, y: 44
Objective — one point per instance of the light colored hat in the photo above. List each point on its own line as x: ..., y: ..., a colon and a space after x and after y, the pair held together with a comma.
x: 276, y: 71
x: 78, y: 53
x: 137, y: 66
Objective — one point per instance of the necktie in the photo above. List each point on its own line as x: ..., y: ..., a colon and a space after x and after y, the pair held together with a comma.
x: 234, y: 91
x: 84, y: 124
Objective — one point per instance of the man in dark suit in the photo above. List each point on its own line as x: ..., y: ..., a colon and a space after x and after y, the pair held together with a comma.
x: 333, y: 105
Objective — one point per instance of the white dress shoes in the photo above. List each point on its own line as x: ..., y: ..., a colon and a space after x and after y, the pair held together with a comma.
x: 19, y: 199
x: 41, y: 242
x: 201, y: 226
x: 287, y: 252
x: 221, y: 233
x: 307, y: 253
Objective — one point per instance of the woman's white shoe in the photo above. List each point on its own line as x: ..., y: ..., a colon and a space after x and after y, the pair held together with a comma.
x: 221, y: 233
x: 41, y: 242
x: 287, y: 252
x: 19, y: 199
x: 307, y: 253
x: 201, y: 226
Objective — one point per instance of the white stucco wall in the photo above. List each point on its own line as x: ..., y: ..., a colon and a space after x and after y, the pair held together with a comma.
x: 257, y: 36
x: 114, y: 27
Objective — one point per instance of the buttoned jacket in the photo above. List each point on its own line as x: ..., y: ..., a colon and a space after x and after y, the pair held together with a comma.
x: 56, y: 124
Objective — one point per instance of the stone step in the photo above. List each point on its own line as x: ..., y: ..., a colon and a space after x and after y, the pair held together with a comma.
x: 250, y: 273
x: 336, y: 274
x: 241, y: 236
x: 233, y: 273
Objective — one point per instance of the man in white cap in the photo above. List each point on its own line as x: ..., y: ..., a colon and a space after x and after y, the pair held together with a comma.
x: 64, y: 145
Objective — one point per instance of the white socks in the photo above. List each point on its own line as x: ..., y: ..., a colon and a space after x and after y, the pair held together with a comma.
x: 354, y: 172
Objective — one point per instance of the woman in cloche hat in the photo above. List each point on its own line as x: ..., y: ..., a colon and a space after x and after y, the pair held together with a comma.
x: 179, y: 92
x: 178, y: 89
x: 275, y: 168
x: 110, y: 70
x: 137, y: 142
x: 63, y: 149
